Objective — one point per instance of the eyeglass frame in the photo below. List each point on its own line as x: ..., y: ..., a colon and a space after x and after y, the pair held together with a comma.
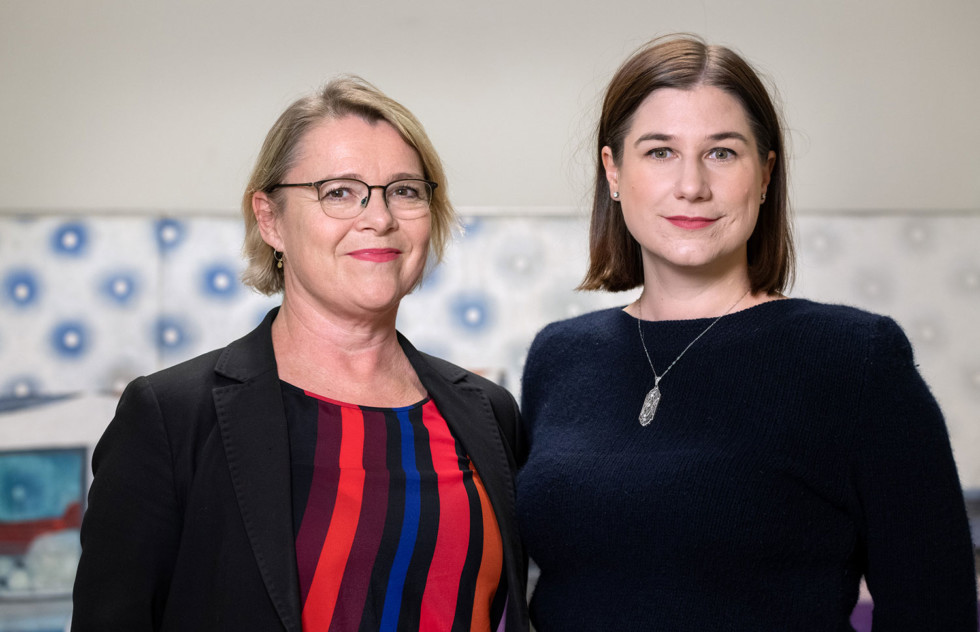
x: 364, y: 203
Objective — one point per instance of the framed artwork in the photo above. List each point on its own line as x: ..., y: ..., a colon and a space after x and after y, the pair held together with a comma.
x: 42, y: 494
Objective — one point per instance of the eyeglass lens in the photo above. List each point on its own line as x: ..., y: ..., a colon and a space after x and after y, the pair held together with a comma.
x: 344, y: 198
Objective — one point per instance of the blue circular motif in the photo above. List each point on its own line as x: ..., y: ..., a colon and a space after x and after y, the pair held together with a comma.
x: 472, y: 311
x: 70, y: 339
x: 170, y: 233
x: 20, y: 387
x: 21, y: 287
x: 21, y: 491
x: 171, y: 334
x: 120, y: 287
x: 70, y: 239
x: 220, y: 281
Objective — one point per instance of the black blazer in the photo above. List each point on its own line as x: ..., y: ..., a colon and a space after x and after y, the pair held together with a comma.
x: 189, y: 521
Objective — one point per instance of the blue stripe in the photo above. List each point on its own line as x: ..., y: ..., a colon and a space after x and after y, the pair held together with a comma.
x: 410, y: 527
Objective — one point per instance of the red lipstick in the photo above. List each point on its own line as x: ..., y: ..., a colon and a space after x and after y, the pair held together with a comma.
x: 690, y: 223
x: 377, y: 255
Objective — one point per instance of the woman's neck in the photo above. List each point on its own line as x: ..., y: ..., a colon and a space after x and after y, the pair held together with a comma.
x: 356, y: 361
x: 682, y: 293
x: 660, y: 304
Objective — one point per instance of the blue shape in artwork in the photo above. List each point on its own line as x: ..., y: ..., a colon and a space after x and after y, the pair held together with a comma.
x: 70, y: 339
x: 471, y: 225
x: 171, y: 334
x: 21, y: 287
x: 70, y: 239
x: 38, y: 485
x: 120, y: 287
x: 20, y: 386
x: 472, y: 311
x: 220, y: 281
x: 170, y: 233
x: 12, y: 404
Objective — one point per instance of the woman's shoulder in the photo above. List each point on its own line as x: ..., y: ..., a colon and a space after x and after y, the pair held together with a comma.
x: 241, y: 360
x: 813, y: 314
x: 173, y: 391
x: 455, y: 373
x: 592, y: 325
x: 832, y: 326
x: 830, y: 312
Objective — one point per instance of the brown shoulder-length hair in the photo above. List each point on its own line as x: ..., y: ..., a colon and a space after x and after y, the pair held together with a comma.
x: 346, y: 95
x: 684, y: 62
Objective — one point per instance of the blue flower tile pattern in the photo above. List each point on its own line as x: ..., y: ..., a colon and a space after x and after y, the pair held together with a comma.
x: 88, y: 303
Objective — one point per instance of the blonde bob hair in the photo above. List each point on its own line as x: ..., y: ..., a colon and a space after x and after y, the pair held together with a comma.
x: 347, y: 95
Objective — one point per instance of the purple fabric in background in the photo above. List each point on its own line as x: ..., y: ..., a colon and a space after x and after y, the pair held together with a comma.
x: 861, y: 617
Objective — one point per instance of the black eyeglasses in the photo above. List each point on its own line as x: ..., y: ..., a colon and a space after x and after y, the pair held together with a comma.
x: 345, y: 198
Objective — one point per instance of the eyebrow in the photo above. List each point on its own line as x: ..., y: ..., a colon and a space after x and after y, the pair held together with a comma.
x: 402, y: 175
x: 714, y: 137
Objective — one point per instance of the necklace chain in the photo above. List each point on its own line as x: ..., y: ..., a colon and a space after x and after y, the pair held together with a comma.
x: 652, y: 399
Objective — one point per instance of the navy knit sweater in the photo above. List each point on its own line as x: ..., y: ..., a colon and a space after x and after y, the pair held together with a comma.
x: 796, y: 448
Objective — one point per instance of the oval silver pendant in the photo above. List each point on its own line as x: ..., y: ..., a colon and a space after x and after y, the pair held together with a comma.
x: 650, y: 404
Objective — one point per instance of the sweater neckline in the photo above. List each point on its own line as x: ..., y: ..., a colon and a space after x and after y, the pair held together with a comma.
x: 749, y: 312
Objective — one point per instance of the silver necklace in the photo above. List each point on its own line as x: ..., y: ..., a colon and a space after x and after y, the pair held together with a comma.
x: 652, y: 400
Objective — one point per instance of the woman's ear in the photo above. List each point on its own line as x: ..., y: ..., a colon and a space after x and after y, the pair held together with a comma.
x: 767, y: 169
x: 267, y: 219
x: 612, y: 171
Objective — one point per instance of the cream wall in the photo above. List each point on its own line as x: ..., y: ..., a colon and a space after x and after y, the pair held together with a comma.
x: 140, y: 106
x: 127, y: 130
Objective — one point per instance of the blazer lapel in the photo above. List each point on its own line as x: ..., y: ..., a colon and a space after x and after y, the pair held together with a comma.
x: 253, y: 430
x: 467, y: 411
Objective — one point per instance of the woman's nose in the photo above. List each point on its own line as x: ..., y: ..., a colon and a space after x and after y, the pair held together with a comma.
x: 375, y: 210
x: 692, y: 181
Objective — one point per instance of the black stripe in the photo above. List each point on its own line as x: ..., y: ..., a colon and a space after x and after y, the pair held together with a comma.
x: 301, y: 425
x: 474, y: 550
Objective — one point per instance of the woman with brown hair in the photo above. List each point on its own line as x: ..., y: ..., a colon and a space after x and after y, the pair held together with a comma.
x: 716, y: 455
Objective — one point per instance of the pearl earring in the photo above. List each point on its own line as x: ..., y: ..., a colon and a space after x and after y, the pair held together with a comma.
x: 615, y: 195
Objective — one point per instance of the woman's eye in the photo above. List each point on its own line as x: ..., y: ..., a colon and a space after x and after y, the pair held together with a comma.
x: 722, y: 154
x: 661, y: 153
x: 404, y: 191
x: 337, y: 193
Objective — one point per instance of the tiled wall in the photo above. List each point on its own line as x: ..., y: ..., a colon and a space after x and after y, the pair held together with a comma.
x: 87, y: 303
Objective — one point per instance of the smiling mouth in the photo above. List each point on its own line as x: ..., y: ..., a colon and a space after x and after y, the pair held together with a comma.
x: 379, y: 255
x: 690, y: 223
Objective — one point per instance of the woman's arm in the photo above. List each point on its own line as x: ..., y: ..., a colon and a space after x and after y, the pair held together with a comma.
x: 920, y: 559
x: 131, y: 529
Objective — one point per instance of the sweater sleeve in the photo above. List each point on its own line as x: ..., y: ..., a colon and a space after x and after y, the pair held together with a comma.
x: 920, y: 568
x: 539, y: 374
x: 131, y: 528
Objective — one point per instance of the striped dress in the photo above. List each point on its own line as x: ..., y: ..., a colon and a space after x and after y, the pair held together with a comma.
x: 393, y: 527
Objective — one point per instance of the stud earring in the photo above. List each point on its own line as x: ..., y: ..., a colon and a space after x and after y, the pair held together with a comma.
x: 278, y: 256
x: 615, y: 195
x: 763, y: 196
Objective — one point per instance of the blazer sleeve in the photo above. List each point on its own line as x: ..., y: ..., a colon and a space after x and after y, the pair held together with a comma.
x: 920, y: 568
x: 131, y: 528
x: 511, y: 424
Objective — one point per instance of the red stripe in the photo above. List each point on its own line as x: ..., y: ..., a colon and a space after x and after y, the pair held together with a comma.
x: 442, y: 583
x: 322, y: 600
